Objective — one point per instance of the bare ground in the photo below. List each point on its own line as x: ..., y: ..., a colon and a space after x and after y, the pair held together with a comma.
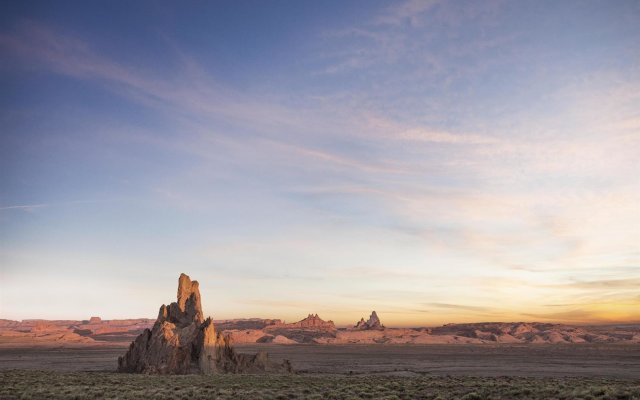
x: 614, y: 361
x: 617, y: 361
x: 587, y: 371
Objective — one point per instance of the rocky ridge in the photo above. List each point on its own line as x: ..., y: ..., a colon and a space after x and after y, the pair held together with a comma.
x: 69, y: 333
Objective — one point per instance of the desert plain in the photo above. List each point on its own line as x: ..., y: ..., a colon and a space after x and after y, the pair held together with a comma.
x: 48, y: 361
x: 182, y: 355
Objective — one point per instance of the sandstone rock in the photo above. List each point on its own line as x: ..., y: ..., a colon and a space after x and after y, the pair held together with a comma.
x: 311, y: 322
x: 95, y: 320
x: 246, y: 336
x: 43, y: 326
x: 283, y: 340
x: 182, y: 341
x: 372, y: 323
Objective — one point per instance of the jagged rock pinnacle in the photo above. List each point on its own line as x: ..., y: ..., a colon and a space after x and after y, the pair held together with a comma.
x: 372, y: 323
x: 182, y: 342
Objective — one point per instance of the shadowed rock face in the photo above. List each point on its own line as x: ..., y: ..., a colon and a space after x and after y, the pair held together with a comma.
x: 182, y: 342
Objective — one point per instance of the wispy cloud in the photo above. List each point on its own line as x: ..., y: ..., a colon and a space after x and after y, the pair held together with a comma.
x: 26, y: 207
x: 422, y: 135
x: 458, y: 307
x: 592, y: 313
x: 407, y: 12
x: 337, y: 160
x: 400, y: 34
x: 434, y: 150
x: 190, y: 91
x: 575, y: 315
x: 627, y: 283
x: 32, y: 207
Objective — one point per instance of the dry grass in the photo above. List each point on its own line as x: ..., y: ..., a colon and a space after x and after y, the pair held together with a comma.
x: 24, y: 384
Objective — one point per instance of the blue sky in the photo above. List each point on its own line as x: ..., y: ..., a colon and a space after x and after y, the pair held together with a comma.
x: 437, y: 161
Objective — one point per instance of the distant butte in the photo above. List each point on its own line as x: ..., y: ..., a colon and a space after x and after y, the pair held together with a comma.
x: 311, y: 322
x: 312, y: 329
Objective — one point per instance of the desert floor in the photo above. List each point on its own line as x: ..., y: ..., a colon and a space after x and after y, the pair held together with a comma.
x: 344, y: 372
x: 585, y: 360
x: 614, y: 361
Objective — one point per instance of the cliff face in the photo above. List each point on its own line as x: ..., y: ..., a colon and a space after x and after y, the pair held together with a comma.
x: 182, y: 341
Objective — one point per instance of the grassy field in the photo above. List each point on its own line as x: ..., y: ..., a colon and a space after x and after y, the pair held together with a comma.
x: 33, y: 384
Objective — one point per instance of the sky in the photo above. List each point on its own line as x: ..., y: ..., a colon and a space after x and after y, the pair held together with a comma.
x: 435, y: 161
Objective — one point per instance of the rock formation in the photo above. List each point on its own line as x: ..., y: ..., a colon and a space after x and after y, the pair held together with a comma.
x: 182, y: 341
x: 372, y: 323
x: 74, y: 333
x: 313, y: 321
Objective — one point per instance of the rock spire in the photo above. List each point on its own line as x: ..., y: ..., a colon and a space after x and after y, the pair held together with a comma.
x: 182, y: 341
x: 372, y: 323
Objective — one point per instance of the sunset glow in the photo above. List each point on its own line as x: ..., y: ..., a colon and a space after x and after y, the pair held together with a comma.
x: 435, y: 161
